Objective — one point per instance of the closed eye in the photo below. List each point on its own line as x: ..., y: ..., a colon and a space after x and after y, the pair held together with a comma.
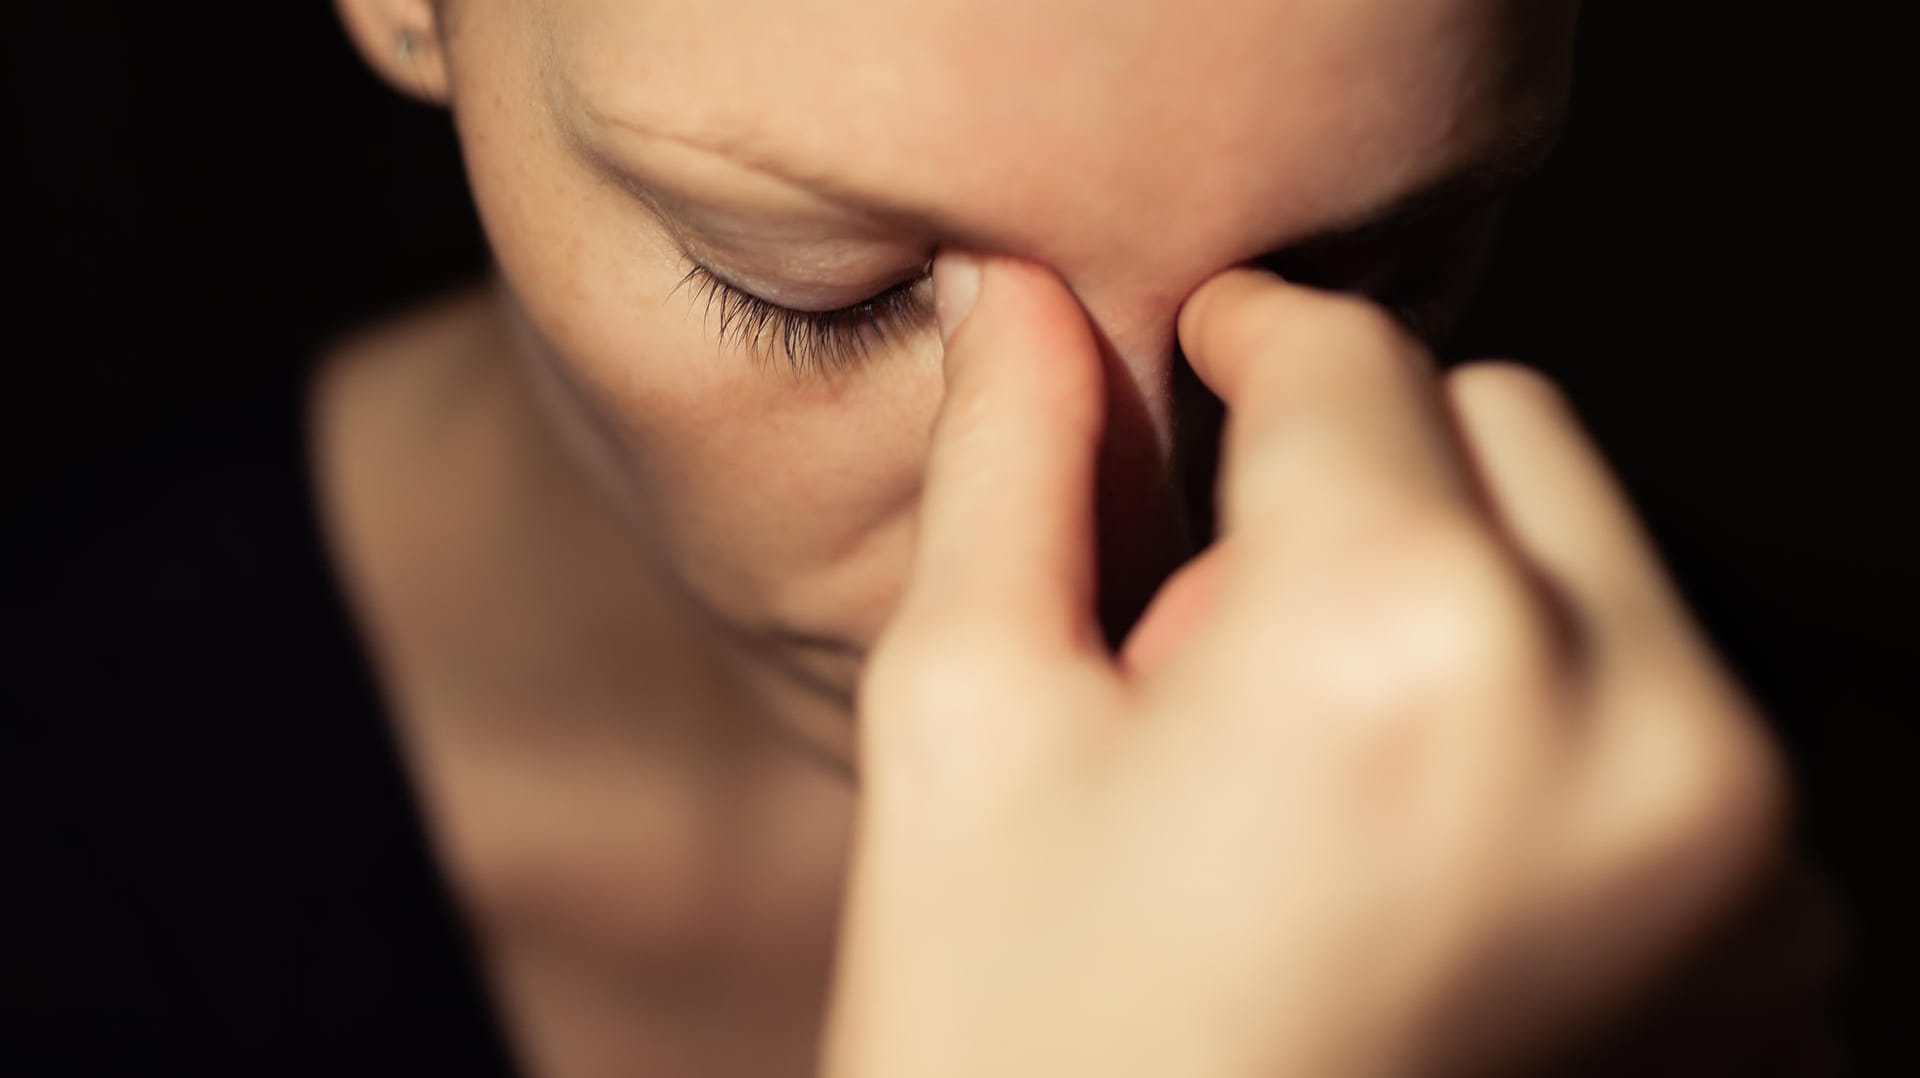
x: 813, y: 343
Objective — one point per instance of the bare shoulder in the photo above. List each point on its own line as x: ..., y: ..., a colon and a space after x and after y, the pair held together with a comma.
x: 399, y: 416
x: 398, y: 378
x: 407, y: 406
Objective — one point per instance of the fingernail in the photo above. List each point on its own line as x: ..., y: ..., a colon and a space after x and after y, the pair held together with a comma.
x: 956, y: 284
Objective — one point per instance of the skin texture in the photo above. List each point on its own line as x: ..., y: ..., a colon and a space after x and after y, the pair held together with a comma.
x: 606, y: 140
x: 632, y: 536
x: 1418, y: 769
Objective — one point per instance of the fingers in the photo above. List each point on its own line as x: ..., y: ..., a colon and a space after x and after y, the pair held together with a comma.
x: 1554, y: 495
x: 1680, y: 792
x: 1334, y: 416
x: 1006, y: 543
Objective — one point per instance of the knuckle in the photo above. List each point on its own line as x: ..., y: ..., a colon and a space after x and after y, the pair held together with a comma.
x: 918, y: 675
x: 912, y: 699
x: 1422, y: 618
x: 963, y: 720
x: 1704, y: 801
x: 1730, y: 792
x: 947, y: 662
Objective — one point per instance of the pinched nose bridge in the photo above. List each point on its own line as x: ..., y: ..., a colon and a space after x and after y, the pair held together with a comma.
x: 1157, y: 459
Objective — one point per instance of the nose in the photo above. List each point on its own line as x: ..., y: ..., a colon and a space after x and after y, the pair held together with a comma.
x: 1158, y: 453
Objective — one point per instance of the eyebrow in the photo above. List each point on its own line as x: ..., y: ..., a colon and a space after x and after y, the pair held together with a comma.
x: 1480, y: 178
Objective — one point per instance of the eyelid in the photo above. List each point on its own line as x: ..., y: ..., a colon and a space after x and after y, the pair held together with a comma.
x: 814, y: 343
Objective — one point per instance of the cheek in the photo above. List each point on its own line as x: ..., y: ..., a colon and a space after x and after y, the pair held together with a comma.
x: 781, y: 506
x: 779, y: 503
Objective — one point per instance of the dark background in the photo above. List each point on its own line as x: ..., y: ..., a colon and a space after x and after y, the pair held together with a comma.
x: 1715, y: 263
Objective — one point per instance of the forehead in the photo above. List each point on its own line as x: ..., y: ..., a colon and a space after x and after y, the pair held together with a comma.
x: 1054, y: 128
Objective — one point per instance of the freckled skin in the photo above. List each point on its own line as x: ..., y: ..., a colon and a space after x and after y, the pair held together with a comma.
x: 1135, y: 147
x: 598, y: 552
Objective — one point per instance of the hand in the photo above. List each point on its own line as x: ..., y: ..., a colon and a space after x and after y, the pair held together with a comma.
x: 1418, y: 767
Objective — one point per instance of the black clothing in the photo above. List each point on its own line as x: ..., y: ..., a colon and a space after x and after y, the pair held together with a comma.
x: 212, y: 861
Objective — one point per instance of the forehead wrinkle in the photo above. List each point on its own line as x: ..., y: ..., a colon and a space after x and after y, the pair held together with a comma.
x: 1049, y: 191
x: 756, y: 150
x: 750, y: 149
x: 926, y: 168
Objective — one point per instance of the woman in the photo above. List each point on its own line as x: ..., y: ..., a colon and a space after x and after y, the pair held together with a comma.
x: 833, y: 376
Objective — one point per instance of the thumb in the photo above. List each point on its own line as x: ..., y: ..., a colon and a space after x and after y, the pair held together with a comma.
x: 1006, y: 543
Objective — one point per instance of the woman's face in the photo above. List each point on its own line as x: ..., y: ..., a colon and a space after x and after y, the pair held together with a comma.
x: 659, y: 181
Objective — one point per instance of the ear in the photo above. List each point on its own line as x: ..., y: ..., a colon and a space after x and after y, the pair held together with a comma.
x: 403, y: 41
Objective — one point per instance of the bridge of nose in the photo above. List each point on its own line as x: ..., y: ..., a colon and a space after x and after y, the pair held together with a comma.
x: 1151, y: 517
x: 1135, y: 319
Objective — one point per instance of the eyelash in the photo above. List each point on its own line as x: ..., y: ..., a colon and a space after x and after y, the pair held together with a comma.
x: 813, y: 343
x: 827, y: 343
